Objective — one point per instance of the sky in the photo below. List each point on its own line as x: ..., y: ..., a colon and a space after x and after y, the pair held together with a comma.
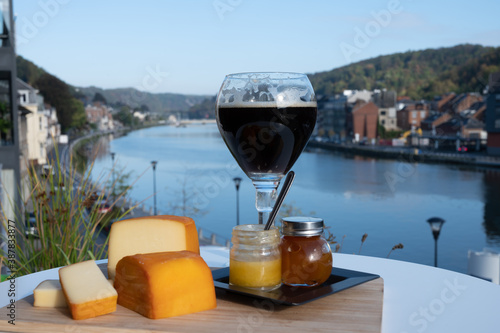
x: 189, y: 46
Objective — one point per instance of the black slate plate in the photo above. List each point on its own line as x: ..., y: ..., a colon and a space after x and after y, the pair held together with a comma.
x: 339, y: 280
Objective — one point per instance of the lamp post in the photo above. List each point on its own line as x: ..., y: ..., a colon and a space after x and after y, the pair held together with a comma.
x: 237, y: 182
x: 113, y: 175
x: 153, y: 163
x: 436, y: 223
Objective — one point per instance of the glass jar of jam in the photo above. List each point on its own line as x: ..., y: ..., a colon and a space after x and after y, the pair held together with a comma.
x: 255, y: 257
x: 306, y: 255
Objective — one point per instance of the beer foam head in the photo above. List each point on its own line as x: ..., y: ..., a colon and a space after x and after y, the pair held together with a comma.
x: 266, y: 90
x: 273, y: 104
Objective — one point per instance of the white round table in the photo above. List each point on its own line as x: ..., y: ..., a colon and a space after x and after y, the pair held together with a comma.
x: 417, y: 298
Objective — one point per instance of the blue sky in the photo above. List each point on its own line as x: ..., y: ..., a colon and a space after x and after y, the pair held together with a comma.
x: 188, y: 46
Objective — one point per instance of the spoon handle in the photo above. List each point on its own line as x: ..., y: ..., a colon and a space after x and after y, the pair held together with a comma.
x: 281, y: 197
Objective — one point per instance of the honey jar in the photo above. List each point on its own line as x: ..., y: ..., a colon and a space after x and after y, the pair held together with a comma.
x: 306, y: 257
x: 255, y: 258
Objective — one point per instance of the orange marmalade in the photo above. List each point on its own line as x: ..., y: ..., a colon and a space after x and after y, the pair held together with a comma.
x: 305, y: 254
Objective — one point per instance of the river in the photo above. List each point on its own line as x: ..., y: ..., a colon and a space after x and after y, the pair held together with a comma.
x: 390, y: 200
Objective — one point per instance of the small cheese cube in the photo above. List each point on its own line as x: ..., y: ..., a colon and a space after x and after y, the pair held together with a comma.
x: 165, y: 284
x: 87, y: 291
x: 49, y: 294
x: 150, y: 234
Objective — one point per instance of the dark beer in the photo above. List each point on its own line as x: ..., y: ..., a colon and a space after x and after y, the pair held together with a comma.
x: 264, y: 138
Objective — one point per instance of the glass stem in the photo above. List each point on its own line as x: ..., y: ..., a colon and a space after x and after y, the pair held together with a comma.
x: 265, y: 198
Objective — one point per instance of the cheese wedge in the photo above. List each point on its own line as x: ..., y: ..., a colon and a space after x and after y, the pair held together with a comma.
x: 165, y: 284
x: 150, y: 234
x: 49, y: 294
x: 87, y: 291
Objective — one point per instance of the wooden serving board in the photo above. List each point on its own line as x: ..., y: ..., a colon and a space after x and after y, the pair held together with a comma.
x: 358, y: 309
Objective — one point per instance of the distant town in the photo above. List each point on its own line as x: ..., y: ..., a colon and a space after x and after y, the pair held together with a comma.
x: 466, y: 122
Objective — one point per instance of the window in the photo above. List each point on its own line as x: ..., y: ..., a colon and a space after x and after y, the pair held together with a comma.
x: 382, y: 113
x: 414, y: 114
x: 6, y: 119
x: 422, y: 114
x: 40, y: 123
x: 4, y: 22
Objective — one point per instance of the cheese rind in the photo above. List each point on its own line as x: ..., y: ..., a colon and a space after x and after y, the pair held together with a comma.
x: 49, y: 294
x: 165, y: 284
x: 87, y: 291
x: 150, y: 234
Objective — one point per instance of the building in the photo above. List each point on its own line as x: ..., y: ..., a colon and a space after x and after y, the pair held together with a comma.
x: 493, y: 115
x: 455, y: 104
x: 412, y: 115
x: 364, y: 119
x: 355, y: 95
x: 37, y: 134
x: 99, y: 115
x: 385, y: 100
x: 442, y: 103
x: 9, y: 122
x: 434, y: 120
x: 332, y: 111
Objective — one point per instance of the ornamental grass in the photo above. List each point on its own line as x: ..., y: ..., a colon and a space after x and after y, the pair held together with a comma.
x: 67, y: 226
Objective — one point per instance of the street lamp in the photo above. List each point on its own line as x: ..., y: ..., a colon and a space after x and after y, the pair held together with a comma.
x: 436, y: 224
x: 113, y: 175
x: 237, y: 182
x: 153, y: 163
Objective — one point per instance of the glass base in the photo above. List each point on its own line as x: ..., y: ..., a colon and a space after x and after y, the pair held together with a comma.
x: 264, y: 288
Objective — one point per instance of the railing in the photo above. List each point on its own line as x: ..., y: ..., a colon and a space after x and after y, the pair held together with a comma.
x: 208, y: 237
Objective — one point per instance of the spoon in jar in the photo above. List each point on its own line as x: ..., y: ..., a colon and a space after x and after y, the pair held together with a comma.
x: 281, y: 197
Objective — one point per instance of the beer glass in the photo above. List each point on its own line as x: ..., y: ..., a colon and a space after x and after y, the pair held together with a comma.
x: 266, y: 120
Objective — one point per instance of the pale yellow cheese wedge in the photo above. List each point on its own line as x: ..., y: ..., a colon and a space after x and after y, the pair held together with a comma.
x: 87, y: 291
x: 150, y: 234
x: 49, y: 294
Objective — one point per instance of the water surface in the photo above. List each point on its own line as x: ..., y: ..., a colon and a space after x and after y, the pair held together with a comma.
x: 390, y: 200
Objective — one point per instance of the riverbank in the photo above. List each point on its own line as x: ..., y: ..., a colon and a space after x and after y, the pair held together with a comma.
x: 411, y: 154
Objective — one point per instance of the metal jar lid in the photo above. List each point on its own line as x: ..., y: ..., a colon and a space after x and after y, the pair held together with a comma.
x: 302, y: 226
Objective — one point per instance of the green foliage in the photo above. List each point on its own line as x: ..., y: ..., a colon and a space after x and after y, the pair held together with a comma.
x: 67, y: 225
x: 56, y: 92
x: 203, y: 110
x: 28, y: 71
x: 417, y: 74
x: 98, y: 97
x: 126, y: 117
x: 79, y: 118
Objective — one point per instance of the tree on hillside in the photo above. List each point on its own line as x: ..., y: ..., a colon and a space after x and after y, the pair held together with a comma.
x: 28, y: 71
x: 125, y: 117
x: 203, y: 110
x: 417, y: 74
x: 70, y: 111
x: 79, y: 116
x: 98, y: 97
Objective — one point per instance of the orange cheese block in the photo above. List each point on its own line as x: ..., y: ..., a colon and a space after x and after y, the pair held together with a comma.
x: 87, y: 291
x: 150, y: 234
x: 165, y: 284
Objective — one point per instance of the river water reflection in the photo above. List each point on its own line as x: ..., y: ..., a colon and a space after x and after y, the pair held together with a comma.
x: 390, y: 200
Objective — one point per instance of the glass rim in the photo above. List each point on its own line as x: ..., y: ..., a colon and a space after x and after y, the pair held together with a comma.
x: 246, y: 74
x: 253, y: 228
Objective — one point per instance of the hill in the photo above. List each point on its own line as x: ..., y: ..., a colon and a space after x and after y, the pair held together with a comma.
x: 159, y: 102
x: 417, y: 74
